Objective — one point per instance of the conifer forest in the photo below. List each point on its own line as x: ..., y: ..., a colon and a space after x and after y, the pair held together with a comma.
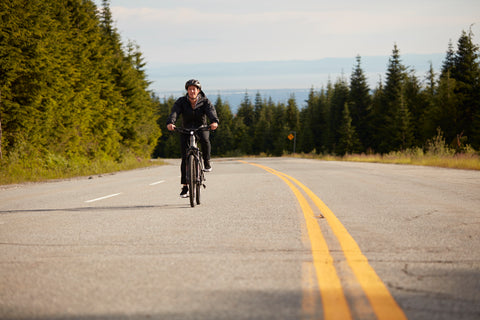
x: 71, y: 91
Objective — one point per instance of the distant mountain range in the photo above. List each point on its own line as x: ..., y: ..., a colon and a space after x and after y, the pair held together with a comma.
x: 277, y: 79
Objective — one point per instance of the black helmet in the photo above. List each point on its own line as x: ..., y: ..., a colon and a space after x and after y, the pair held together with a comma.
x: 193, y: 82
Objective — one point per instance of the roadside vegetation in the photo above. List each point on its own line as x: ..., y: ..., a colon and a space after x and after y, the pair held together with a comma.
x: 411, y: 157
x: 74, y: 99
x: 437, y: 154
x: 55, y: 167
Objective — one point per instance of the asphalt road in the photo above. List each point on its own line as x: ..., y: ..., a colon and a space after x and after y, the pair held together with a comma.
x: 306, y: 240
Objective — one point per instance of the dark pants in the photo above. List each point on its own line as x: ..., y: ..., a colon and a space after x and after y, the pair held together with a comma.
x: 206, y: 147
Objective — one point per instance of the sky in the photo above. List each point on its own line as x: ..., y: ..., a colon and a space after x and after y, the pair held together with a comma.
x: 176, y: 32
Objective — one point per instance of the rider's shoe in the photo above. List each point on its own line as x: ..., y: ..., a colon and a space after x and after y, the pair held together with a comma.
x: 208, y: 167
x: 184, y: 193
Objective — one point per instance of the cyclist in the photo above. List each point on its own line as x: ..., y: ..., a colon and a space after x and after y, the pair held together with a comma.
x: 194, y: 108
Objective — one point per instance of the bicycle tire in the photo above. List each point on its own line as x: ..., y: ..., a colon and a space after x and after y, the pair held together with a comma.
x: 198, y: 183
x: 193, y: 179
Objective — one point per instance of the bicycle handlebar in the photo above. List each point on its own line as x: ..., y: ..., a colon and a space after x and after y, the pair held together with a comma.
x: 187, y: 130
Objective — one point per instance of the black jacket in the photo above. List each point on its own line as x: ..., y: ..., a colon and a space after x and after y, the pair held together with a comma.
x: 193, y: 118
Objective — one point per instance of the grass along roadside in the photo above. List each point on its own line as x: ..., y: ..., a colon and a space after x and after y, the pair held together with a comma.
x: 436, y: 153
x: 59, y: 168
x: 468, y: 161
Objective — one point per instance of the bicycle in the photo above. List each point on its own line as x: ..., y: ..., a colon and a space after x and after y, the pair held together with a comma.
x: 194, y: 166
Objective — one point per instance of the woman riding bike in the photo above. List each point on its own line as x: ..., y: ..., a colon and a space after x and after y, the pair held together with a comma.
x: 194, y: 108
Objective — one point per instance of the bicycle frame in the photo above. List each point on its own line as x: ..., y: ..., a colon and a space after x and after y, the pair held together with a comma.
x: 197, y: 154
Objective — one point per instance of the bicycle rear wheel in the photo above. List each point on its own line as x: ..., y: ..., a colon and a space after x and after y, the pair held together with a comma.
x: 193, y: 179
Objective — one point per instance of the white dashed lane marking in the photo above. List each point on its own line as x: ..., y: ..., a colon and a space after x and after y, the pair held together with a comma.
x: 105, y: 197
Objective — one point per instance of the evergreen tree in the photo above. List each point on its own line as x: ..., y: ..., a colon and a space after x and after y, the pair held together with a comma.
x: 259, y: 104
x: 444, y: 111
x: 257, y: 130
x: 271, y: 134
x: 279, y: 129
x: 222, y: 138
x: 348, y: 139
x: 430, y: 111
x: 414, y: 101
x: 360, y: 105
x: 109, y: 30
x: 430, y: 78
x: 339, y: 97
x: 466, y: 72
x: 449, y: 61
x: 246, y: 113
x: 292, y: 114
x: 308, y: 115
x: 377, y: 117
x: 241, y: 139
x: 264, y: 136
x: 392, y: 95
x: 321, y: 127
x: 168, y: 145
x: 403, y: 132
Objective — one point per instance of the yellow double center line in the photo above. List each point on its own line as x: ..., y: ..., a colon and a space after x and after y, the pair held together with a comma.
x: 334, y: 303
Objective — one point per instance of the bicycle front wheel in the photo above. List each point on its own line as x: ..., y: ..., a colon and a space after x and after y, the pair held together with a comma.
x: 193, y: 179
x: 198, y: 183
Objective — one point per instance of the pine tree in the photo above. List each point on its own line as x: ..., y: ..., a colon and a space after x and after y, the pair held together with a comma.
x: 167, y: 144
x: 449, y: 61
x: 246, y: 113
x: 414, y: 101
x: 107, y: 23
x: 444, y: 112
x: 403, y: 131
x: 466, y: 72
x: 263, y: 132
x: 391, y: 104
x: 377, y: 123
x: 292, y: 114
x: 430, y: 111
x: 348, y: 139
x: 321, y: 128
x: 222, y: 138
x: 270, y: 133
x: 241, y: 139
x: 259, y: 104
x: 259, y: 124
x: 308, y: 118
x: 360, y: 105
x: 339, y: 96
x: 279, y: 129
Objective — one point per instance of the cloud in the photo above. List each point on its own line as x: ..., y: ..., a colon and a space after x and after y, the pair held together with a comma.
x: 286, y: 30
x: 341, y: 22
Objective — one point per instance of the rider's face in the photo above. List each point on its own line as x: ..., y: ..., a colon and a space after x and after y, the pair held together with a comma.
x: 193, y: 92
